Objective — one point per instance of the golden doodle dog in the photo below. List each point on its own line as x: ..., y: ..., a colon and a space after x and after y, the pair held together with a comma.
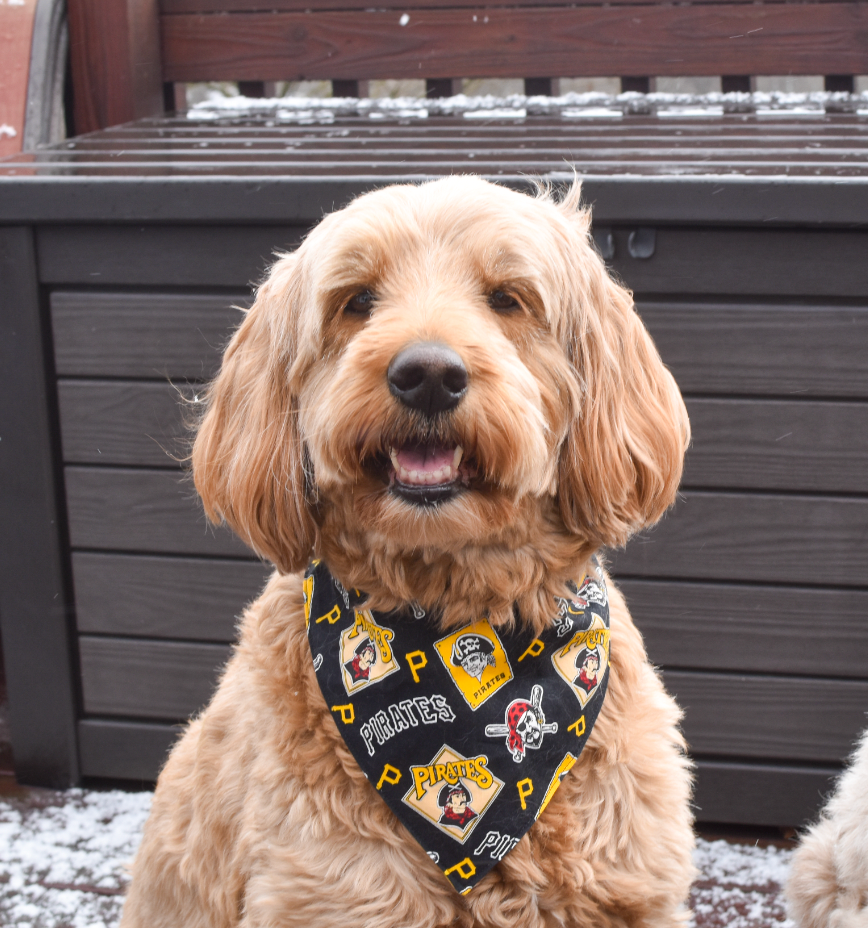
x: 828, y: 884
x: 443, y: 404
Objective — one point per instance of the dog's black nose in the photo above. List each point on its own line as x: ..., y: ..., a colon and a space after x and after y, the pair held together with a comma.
x: 429, y: 377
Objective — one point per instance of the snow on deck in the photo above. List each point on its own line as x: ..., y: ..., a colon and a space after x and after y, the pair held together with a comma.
x: 62, y: 860
x: 592, y: 104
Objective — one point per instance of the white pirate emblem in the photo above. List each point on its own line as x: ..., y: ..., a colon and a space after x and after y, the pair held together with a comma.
x: 525, y: 725
x: 592, y: 591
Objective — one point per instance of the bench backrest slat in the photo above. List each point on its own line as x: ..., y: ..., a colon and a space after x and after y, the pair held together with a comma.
x: 779, y: 38
x: 175, y: 7
x: 124, y: 50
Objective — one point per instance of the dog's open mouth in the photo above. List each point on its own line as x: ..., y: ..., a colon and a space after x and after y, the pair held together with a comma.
x: 427, y: 473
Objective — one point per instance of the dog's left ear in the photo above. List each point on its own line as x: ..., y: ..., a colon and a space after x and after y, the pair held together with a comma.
x: 248, y: 458
x: 621, y: 462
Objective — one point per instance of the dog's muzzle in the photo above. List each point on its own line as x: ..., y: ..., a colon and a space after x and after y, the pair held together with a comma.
x: 430, y: 379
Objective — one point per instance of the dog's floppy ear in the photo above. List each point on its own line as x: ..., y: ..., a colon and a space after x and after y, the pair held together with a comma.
x: 248, y: 458
x: 621, y: 462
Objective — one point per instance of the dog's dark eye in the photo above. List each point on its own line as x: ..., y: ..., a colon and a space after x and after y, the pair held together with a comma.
x: 502, y: 302
x: 361, y: 304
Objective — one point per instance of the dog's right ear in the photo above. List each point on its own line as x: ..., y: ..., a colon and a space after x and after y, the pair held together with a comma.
x: 621, y: 462
x: 248, y: 458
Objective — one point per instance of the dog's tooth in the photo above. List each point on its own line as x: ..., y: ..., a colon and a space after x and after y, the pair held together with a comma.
x: 456, y: 458
x: 393, y: 457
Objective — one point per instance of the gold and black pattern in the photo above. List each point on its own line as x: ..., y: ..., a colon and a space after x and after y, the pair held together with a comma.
x: 465, y: 736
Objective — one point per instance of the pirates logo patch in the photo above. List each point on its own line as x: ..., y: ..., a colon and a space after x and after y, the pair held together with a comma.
x: 591, y: 591
x: 525, y: 725
x: 365, y: 652
x: 583, y: 661
x: 569, y: 610
x: 476, y: 660
x: 453, y: 792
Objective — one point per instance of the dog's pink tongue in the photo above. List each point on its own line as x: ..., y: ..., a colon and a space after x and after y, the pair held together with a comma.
x: 426, y: 459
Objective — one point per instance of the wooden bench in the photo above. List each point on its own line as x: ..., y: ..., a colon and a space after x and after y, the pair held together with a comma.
x: 742, y: 235
x: 129, y: 56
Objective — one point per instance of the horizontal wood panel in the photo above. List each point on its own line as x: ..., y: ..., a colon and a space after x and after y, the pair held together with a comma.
x: 714, y: 536
x: 491, y: 155
x: 118, y: 422
x: 783, y: 718
x: 760, y: 794
x: 726, y: 715
x: 778, y: 445
x: 124, y: 750
x: 716, y: 262
x: 654, y: 195
x: 744, y: 629
x: 261, y: 131
x: 196, y: 256
x: 146, y: 511
x: 731, y: 793
x: 369, y: 171
x: 687, y: 625
x: 751, y: 444
x: 711, y: 348
x: 163, y: 597
x: 761, y: 348
x: 148, y: 679
x: 809, y: 38
x: 174, y: 7
x: 149, y: 335
x: 767, y: 538
x: 739, y: 262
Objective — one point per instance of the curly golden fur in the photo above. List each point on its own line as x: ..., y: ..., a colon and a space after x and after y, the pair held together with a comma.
x: 828, y: 884
x: 573, y: 433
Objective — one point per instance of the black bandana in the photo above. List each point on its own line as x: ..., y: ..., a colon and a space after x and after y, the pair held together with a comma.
x: 465, y: 734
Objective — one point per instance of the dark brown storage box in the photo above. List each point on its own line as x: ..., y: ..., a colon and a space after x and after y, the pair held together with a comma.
x: 745, y: 241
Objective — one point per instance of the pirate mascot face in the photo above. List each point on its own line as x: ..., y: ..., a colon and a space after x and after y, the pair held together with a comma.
x: 524, y: 726
x: 473, y: 653
x: 359, y: 668
x: 455, y: 803
x: 588, y: 666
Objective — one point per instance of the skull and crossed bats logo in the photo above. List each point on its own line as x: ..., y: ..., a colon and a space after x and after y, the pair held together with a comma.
x: 525, y: 725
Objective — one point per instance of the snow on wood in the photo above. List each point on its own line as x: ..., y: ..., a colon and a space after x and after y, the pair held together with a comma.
x: 63, y: 858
